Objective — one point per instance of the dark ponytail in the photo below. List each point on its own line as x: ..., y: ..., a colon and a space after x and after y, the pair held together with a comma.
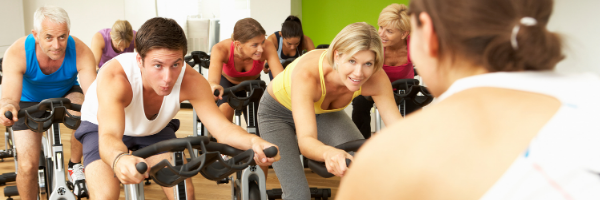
x: 292, y: 27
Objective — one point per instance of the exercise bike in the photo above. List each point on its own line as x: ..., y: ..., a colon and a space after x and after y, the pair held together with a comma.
x: 202, y: 60
x: 51, y: 176
x: 320, y: 169
x: 9, y: 150
x: 406, y: 90
x: 208, y: 162
x: 250, y: 183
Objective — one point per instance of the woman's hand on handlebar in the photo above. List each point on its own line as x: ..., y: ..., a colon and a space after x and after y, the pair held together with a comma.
x: 266, y: 70
x: 5, y: 121
x: 335, y: 161
x: 259, y: 145
x: 126, y: 171
x: 219, y: 88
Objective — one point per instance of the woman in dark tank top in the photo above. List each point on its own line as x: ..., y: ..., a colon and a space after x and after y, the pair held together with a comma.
x: 290, y: 42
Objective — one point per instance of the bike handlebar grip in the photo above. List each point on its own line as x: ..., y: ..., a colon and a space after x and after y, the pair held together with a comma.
x: 8, y: 115
x: 76, y: 107
x: 216, y: 93
x: 270, y: 152
x: 141, y: 167
x: 348, y: 162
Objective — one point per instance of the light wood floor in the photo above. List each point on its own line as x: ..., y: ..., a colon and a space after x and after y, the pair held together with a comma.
x: 204, y: 189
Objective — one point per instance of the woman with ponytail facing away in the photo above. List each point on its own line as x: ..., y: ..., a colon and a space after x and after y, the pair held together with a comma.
x: 505, y: 124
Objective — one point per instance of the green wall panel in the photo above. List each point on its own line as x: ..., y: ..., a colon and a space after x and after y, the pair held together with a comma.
x: 323, y: 19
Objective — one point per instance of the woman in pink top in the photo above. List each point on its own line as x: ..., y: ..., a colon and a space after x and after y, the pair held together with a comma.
x: 241, y: 58
x: 110, y: 42
x: 394, y: 29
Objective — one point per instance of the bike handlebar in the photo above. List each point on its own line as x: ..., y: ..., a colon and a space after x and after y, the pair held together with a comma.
x: 168, y: 175
x: 141, y: 167
x: 224, y: 168
x: 198, y: 58
x: 255, y: 87
x: 411, y: 88
x: 320, y: 168
x: 250, y: 85
x: 58, y: 114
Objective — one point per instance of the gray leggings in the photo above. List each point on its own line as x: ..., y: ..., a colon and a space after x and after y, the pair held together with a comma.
x: 277, y: 126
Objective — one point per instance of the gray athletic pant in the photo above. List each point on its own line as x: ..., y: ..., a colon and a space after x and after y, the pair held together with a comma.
x: 277, y: 126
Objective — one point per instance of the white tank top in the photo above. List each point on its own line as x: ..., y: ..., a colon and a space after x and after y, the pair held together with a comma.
x: 563, y: 160
x: 136, y: 123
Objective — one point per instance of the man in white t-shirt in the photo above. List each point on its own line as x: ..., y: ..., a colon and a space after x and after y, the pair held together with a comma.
x: 132, y: 104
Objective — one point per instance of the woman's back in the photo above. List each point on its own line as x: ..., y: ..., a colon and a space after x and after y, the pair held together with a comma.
x: 525, y: 135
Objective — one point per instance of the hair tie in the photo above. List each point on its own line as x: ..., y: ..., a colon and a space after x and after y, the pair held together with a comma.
x: 527, y: 21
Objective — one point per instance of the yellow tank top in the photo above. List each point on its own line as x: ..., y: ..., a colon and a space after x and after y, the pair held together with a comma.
x: 282, y: 87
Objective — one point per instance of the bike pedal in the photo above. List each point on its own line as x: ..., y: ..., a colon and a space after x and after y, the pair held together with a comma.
x: 223, y: 181
x: 274, y: 194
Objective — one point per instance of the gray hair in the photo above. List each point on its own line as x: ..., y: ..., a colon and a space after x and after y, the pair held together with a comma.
x: 53, y: 13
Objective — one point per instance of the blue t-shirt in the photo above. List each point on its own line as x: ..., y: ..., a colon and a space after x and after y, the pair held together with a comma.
x: 38, y: 86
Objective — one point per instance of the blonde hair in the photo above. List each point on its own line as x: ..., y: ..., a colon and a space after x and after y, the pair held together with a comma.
x: 52, y: 13
x: 356, y: 37
x: 396, y: 16
x: 121, y: 31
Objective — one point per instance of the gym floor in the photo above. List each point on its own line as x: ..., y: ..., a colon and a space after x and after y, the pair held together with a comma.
x: 204, y: 188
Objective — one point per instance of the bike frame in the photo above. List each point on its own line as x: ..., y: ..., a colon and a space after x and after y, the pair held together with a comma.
x: 251, y: 173
x: 59, y: 188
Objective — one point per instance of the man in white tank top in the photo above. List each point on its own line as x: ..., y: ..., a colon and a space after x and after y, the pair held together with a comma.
x: 133, y: 102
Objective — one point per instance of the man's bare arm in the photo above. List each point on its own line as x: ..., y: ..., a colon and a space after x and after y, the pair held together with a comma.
x: 14, y: 65
x: 86, y: 66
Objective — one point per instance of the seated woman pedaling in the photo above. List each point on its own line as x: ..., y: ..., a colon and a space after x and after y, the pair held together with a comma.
x: 394, y: 29
x: 110, y: 42
x: 328, y: 80
x: 290, y: 42
x: 505, y: 125
x: 239, y: 59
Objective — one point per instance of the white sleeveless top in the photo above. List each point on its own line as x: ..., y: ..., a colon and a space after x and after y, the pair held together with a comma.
x: 563, y: 160
x: 136, y: 123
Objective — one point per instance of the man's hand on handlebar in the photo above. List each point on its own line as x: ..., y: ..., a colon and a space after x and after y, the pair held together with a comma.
x: 126, y: 171
x: 335, y: 161
x: 8, y: 107
x: 258, y: 145
x: 219, y: 88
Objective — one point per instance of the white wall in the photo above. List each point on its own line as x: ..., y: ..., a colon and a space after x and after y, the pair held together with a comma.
x: 209, y: 8
x: 11, y: 21
x: 270, y: 13
x: 138, y: 11
x: 87, y: 17
x: 575, y: 21
x: 296, y: 6
x: 231, y: 11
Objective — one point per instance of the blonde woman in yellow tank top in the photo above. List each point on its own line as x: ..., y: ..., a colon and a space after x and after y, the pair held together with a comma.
x: 321, y: 84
